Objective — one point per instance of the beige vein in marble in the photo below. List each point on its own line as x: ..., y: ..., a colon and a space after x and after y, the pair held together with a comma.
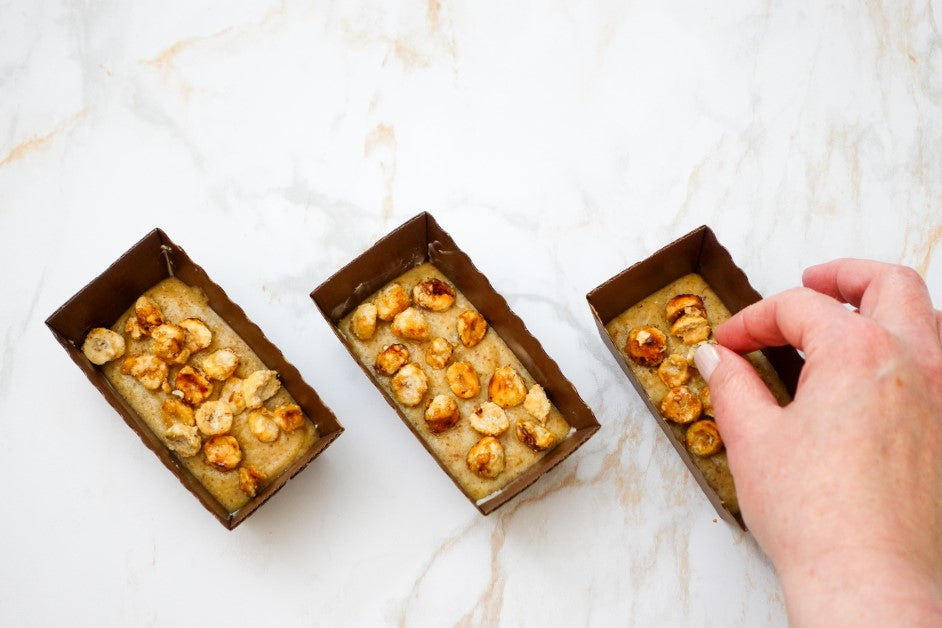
x: 416, y: 49
x: 932, y: 241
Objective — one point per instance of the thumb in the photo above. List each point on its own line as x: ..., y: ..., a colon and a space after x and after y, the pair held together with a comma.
x: 738, y: 394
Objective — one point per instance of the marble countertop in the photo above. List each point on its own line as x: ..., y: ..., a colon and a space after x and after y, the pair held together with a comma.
x: 558, y: 144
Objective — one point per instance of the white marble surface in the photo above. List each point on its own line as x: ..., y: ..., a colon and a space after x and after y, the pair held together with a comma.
x: 558, y: 143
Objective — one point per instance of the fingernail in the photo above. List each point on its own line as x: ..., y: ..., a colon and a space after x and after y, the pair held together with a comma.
x: 706, y: 358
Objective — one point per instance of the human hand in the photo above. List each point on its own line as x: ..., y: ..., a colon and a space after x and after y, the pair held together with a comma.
x: 843, y: 487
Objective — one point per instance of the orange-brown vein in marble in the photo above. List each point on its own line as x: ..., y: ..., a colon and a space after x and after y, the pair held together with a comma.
x: 164, y: 60
x: 487, y: 609
x: 38, y: 142
x: 413, y: 50
x: 384, y: 136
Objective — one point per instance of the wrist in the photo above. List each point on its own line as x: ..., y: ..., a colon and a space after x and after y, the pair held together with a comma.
x: 861, y: 588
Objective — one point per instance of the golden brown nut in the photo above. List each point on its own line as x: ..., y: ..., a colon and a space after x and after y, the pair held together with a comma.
x: 391, y: 300
x: 363, y: 321
x: 411, y: 324
x: 506, y: 388
x: 249, y: 479
x: 183, y: 439
x: 259, y: 386
x: 441, y: 413
x: 692, y: 351
x: 223, y: 452
x: 433, y: 294
x: 463, y: 380
x: 220, y: 364
x: 148, y: 369
x: 214, y: 417
x: 391, y: 359
x: 537, y: 403
x: 146, y: 316
x: 133, y: 328
x: 169, y: 343
x: 471, y: 328
x: 198, y: 335
x: 674, y: 371
x: 232, y: 394
x: 646, y: 345
x: 438, y: 353
x: 681, y: 406
x: 175, y: 411
x: 289, y: 417
x: 691, y: 328
x: 102, y: 345
x: 684, y: 304
x: 534, y: 435
x: 409, y: 384
x: 703, y: 438
x: 486, y: 458
x: 707, y: 401
x: 262, y: 424
x: 489, y: 418
x: 195, y: 388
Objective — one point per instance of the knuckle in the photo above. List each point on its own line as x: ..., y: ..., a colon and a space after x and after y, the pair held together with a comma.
x: 902, y: 275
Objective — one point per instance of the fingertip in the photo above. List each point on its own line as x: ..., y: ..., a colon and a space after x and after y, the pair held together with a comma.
x: 823, y: 277
x: 810, y: 275
x: 706, y: 359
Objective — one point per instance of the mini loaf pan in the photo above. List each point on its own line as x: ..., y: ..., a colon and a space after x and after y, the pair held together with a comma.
x: 108, y: 296
x: 421, y: 240
x: 697, y: 252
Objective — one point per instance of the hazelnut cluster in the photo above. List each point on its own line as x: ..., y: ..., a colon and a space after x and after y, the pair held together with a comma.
x: 407, y: 315
x: 686, y: 316
x: 194, y: 422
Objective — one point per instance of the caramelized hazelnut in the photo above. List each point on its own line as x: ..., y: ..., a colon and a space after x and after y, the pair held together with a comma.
x: 249, y: 479
x: 533, y: 435
x: 684, y: 304
x: 463, y: 380
x: 391, y: 300
x: 434, y: 294
x: 438, y: 353
x: 703, y: 438
x: 674, y: 371
x: 409, y: 384
x: 506, y: 388
x: 486, y: 457
x: 148, y: 369
x: 289, y: 417
x: 681, y: 406
x: 195, y: 388
x: 691, y: 328
x: 222, y: 452
x: 391, y: 359
x: 646, y: 345
x: 363, y: 321
x: 441, y: 413
x: 471, y: 328
x: 410, y: 324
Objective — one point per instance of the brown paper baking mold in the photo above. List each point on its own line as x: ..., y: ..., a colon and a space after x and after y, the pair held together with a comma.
x: 419, y: 240
x: 105, y: 298
x: 697, y: 252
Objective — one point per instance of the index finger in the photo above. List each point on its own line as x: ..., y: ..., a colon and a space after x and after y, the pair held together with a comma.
x: 892, y: 295
x: 799, y: 317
